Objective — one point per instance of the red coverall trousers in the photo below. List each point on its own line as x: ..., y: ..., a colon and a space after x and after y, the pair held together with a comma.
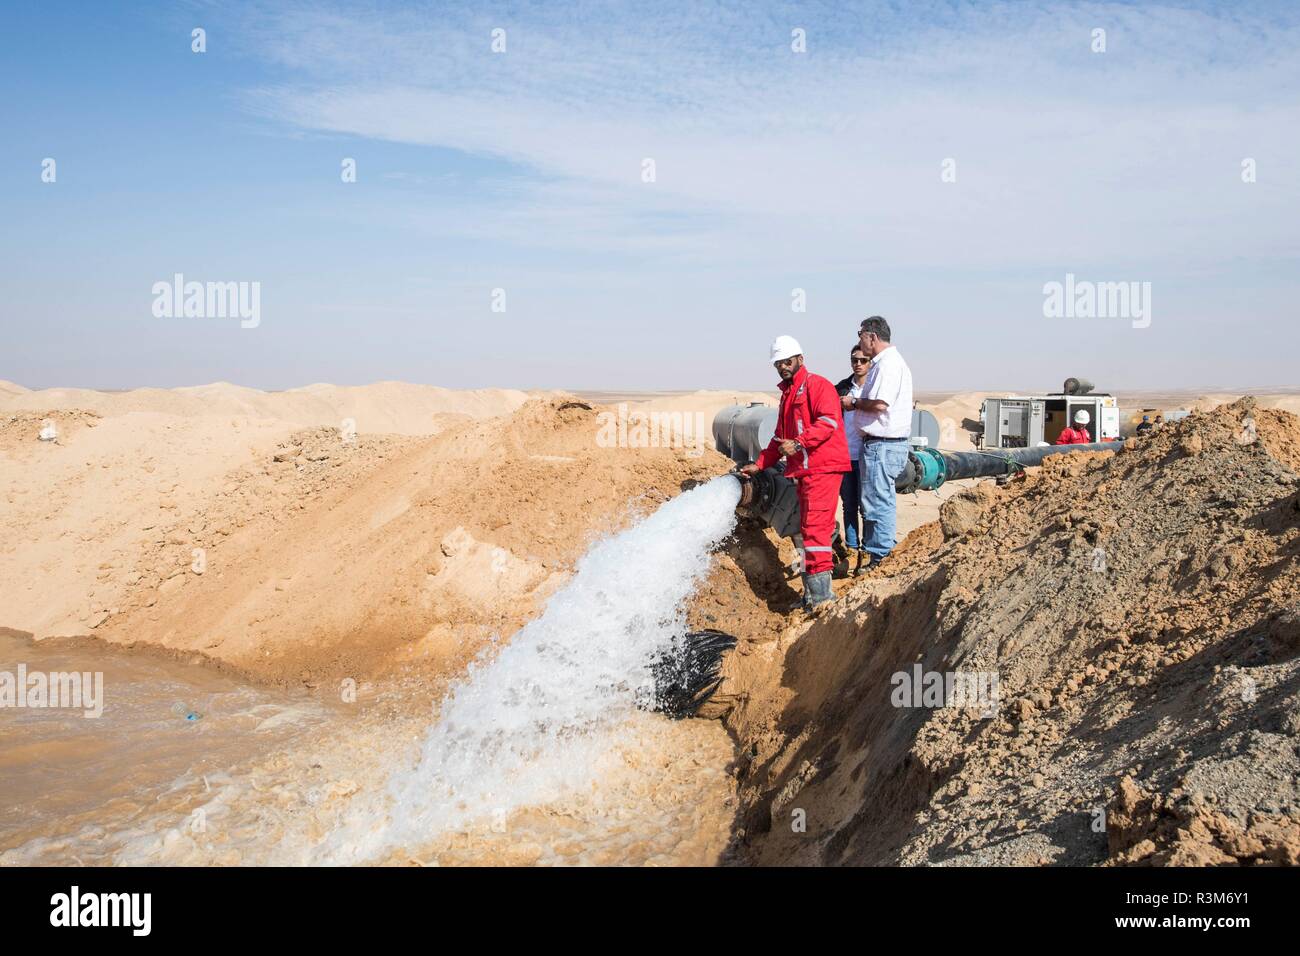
x: 818, y: 496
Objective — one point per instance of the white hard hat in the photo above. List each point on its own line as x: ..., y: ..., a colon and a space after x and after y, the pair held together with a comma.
x: 784, y: 347
x: 1081, y: 417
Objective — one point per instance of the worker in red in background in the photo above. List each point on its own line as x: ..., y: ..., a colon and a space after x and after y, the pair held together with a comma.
x: 1078, y: 435
x: 810, y: 436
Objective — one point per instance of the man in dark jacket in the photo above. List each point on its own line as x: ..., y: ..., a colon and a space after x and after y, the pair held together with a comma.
x: 850, y: 390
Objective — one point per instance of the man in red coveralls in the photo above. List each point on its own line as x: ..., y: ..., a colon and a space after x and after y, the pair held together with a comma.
x: 810, y: 436
x: 1078, y: 435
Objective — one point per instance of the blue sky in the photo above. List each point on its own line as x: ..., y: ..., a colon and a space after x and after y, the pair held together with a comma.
x: 521, y: 170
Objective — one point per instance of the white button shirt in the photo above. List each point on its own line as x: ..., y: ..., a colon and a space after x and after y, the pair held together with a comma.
x: 890, y: 380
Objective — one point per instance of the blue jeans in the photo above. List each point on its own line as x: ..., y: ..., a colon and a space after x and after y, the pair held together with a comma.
x: 851, y: 497
x: 882, y: 463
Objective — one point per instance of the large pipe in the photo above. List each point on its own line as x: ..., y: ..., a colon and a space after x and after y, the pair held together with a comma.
x: 741, y: 432
x: 928, y: 468
x: 1078, y: 386
x: 773, y: 499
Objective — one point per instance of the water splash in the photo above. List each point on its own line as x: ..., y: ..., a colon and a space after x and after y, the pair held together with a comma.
x: 537, y: 721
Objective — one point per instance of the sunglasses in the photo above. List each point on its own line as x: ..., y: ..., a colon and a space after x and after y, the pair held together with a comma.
x: 859, y: 361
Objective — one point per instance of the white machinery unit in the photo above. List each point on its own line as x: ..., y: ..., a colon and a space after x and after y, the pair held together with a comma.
x: 1026, y: 421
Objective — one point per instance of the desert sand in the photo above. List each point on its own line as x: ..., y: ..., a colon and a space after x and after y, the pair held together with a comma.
x: 393, y: 534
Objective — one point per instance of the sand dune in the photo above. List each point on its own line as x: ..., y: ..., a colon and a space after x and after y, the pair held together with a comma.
x: 953, y: 411
x: 101, y: 525
x: 708, y: 402
x: 1287, y: 402
x: 384, y: 407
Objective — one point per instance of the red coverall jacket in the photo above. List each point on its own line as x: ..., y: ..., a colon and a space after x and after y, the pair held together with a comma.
x: 811, y: 414
x: 1074, y: 436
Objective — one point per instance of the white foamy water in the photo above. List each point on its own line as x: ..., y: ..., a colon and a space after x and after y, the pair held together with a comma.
x: 536, y: 722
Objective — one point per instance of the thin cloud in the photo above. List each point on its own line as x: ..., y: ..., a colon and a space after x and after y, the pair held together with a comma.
x: 1060, y: 152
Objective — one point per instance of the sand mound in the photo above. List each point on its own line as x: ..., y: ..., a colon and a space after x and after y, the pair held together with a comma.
x: 127, y: 475
x: 706, y: 403
x: 689, y: 413
x: 1138, y: 613
x: 322, y: 557
x: 278, y: 547
x: 958, y: 415
x: 79, y: 510
x: 1283, y: 401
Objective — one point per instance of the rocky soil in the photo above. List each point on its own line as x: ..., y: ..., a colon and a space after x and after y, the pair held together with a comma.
x: 1139, y: 613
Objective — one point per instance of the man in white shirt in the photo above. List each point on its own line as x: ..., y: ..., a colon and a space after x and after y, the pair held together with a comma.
x: 884, y: 416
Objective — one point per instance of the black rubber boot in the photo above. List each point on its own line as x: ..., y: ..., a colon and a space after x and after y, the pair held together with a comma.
x: 817, y: 589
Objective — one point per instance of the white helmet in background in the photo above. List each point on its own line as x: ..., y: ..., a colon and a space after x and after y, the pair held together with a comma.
x: 1081, y: 417
x: 785, y: 347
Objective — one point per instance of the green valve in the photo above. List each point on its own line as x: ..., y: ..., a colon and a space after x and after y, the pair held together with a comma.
x: 933, y: 468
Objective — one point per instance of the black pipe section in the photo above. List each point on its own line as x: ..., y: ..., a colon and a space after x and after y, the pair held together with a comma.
x: 991, y: 462
x: 772, y: 498
x: 929, y: 468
